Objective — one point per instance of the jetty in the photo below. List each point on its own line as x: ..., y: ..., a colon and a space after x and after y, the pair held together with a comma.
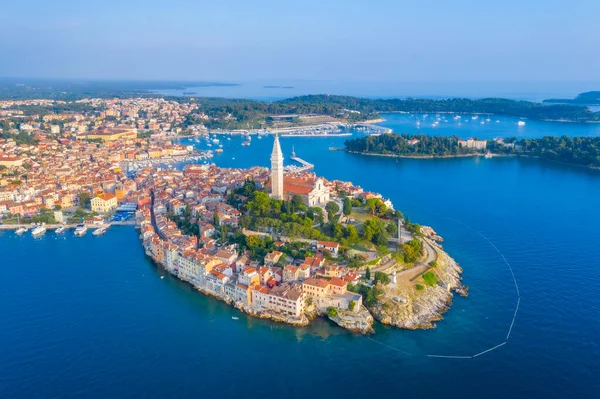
x: 304, y: 165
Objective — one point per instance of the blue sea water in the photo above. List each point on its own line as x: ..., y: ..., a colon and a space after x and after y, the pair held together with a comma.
x: 90, y: 317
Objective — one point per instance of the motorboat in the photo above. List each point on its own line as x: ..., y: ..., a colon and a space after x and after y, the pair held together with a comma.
x: 39, y: 230
x: 80, y: 230
x: 99, y: 232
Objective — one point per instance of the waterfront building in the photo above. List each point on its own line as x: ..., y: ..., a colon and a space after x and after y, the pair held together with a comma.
x: 472, y: 143
x: 104, y: 203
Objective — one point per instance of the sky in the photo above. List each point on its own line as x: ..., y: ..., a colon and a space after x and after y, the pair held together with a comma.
x: 346, y: 40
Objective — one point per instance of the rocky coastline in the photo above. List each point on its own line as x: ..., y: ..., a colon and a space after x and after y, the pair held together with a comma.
x: 422, y: 309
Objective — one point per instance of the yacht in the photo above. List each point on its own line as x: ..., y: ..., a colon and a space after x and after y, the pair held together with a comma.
x: 99, y: 232
x: 21, y: 230
x: 60, y: 230
x: 39, y: 230
x: 80, y: 230
x: 521, y: 123
x: 216, y: 141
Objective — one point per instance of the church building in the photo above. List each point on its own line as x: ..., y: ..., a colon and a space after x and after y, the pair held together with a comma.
x: 311, y: 189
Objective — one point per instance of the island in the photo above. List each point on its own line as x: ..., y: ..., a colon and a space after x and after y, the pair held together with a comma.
x: 584, y: 99
x: 580, y: 151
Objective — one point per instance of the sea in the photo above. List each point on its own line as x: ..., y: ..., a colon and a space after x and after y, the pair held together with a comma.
x: 92, y: 317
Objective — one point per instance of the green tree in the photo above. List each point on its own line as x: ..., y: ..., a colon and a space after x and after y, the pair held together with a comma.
x: 351, y: 233
x: 351, y: 305
x: 84, y: 199
x: 347, y: 209
x: 216, y: 219
x: 383, y: 278
x: 332, y: 208
x: 368, y: 273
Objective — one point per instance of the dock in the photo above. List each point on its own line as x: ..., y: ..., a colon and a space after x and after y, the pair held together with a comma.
x: 304, y: 166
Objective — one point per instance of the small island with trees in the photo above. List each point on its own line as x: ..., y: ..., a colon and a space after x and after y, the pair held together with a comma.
x: 580, y: 151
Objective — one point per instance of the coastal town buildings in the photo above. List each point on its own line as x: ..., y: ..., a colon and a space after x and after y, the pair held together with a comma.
x: 104, y: 203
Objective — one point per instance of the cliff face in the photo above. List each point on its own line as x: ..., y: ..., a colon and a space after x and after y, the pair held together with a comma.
x: 421, y: 309
x: 358, y: 322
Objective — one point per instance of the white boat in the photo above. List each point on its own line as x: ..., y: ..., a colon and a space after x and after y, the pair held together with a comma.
x: 39, y: 230
x: 235, y: 318
x: 521, y: 123
x: 80, y: 230
x: 228, y: 138
x: 488, y: 155
x: 99, y: 232
x: 161, y: 277
x: 60, y: 230
x: 21, y: 230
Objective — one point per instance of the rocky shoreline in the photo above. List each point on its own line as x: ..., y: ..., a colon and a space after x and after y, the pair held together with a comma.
x: 422, y: 309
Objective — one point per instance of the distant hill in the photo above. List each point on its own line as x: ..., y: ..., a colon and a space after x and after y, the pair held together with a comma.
x: 587, y: 98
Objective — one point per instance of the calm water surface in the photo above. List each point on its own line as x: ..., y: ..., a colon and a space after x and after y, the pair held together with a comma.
x: 90, y: 317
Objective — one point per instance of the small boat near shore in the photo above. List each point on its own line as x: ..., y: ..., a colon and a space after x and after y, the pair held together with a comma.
x: 235, y: 318
x: 99, y: 232
x: 39, y: 230
x: 60, y: 230
x: 80, y: 230
x: 21, y: 230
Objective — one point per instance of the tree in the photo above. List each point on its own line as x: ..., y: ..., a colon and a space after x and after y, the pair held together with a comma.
x: 351, y: 305
x: 84, y: 199
x: 296, y: 201
x: 368, y: 273
x: 332, y: 208
x: 347, y: 209
x: 371, y: 205
x: 332, y: 312
x: 381, y: 277
x: 216, y: 219
x: 351, y: 233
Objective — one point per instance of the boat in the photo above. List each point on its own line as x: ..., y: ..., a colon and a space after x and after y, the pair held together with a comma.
x: 219, y: 151
x: 235, y: 318
x: 21, y: 230
x: 209, y: 145
x: 161, y: 277
x: 216, y: 141
x: 99, y: 232
x: 60, y: 230
x: 228, y: 138
x: 39, y: 230
x: 521, y: 123
x: 488, y: 155
x: 80, y: 230
x: 246, y: 143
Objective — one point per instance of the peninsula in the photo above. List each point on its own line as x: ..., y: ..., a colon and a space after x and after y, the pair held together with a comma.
x: 295, y: 246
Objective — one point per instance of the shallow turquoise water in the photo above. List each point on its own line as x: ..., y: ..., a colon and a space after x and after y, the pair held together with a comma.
x: 90, y: 317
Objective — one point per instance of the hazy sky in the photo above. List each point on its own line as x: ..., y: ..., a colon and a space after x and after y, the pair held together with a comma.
x: 376, y: 40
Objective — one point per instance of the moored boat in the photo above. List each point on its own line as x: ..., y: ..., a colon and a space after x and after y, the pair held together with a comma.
x: 99, y: 232
x: 39, y: 230
x: 80, y: 230
x: 60, y: 230
x: 21, y: 230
